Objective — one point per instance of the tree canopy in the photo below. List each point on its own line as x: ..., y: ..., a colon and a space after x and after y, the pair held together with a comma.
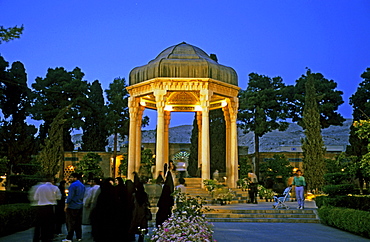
x: 313, y: 145
x: 95, y: 130
x: 56, y: 91
x: 328, y: 100
x: 17, y: 137
x: 262, y: 108
x: 11, y: 33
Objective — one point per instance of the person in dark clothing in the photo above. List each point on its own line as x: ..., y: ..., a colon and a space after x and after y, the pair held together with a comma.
x: 73, y: 208
x: 166, y: 201
x: 130, y: 205
x: 105, y: 213
x: 60, y: 215
x: 139, y: 223
x: 253, y: 192
x: 122, y: 210
x: 159, y: 179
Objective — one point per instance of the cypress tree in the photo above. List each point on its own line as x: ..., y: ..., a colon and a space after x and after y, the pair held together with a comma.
x: 51, y: 156
x: 313, y: 144
x: 95, y: 131
x: 193, y: 157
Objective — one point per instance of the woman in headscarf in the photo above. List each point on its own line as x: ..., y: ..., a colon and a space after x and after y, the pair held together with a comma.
x: 130, y: 205
x: 141, y: 206
x: 166, y: 201
x: 105, y: 229
x: 122, y: 210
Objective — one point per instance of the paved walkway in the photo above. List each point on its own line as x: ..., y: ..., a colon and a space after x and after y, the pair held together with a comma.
x: 241, y: 232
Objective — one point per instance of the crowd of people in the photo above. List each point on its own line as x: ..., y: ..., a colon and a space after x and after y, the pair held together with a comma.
x: 117, y: 210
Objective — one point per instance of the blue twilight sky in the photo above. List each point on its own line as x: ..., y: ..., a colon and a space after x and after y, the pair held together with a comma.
x: 107, y: 39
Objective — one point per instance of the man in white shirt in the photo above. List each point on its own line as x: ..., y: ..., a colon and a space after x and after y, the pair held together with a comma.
x: 45, y: 198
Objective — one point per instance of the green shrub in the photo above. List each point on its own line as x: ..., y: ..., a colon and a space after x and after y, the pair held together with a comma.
x: 9, y: 197
x: 24, y: 182
x: 351, y: 220
x: 337, y: 178
x: 342, y: 189
x: 16, y: 217
x: 354, y: 202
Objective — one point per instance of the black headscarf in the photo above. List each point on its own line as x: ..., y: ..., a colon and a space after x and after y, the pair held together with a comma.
x: 166, y: 201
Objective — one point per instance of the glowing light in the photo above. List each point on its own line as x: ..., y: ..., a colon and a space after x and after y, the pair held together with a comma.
x: 223, y: 103
x: 168, y: 108
x: 143, y: 103
x: 198, y: 108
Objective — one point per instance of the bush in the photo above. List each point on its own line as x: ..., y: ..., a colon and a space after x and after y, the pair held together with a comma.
x: 351, y: 220
x: 354, y: 202
x: 15, y: 218
x: 9, y: 197
x: 24, y: 182
x: 337, y: 178
x: 342, y: 189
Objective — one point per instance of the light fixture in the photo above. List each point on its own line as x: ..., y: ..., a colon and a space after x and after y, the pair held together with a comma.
x: 168, y: 108
x: 197, y: 108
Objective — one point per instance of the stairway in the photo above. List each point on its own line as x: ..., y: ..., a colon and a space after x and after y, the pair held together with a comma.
x: 263, y: 216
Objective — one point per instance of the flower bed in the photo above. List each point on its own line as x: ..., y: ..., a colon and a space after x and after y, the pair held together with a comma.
x: 184, y: 228
x: 187, y: 223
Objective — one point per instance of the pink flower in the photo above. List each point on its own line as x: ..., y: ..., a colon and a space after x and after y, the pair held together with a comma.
x: 166, y: 230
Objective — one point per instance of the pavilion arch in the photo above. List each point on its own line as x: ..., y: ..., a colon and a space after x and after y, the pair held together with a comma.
x: 183, y: 78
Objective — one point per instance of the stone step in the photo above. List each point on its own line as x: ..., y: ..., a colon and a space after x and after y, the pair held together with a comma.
x: 263, y: 211
x: 265, y: 220
x: 263, y: 215
x: 260, y: 215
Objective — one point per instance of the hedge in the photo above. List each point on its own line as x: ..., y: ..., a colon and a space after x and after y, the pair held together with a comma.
x: 341, y: 189
x: 354, y: 202
x: 15, y: 218
x: 351, y: 220
x: 8, y: 197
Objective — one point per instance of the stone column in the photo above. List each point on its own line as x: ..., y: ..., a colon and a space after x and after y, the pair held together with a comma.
x: 199, y: 123
x: 205, y: 96
x: 160, y: 150
x: 234, y: 142
x: 167, y: 119
x: 133, y: 109
x: 138, y: 138
x: 228, y: 143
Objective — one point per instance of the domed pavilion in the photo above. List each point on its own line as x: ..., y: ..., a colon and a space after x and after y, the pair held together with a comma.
x: 183, y: 78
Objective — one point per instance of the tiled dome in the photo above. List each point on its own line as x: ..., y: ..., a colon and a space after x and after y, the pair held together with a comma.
x: 183, y: 61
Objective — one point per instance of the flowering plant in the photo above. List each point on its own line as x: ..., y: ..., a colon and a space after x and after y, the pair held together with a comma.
x: 224, y: 194
x: 243, y: 183
x: 184, y: 228
x: 189, y: 206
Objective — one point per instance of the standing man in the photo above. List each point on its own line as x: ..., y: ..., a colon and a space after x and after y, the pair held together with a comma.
x: 74, y: 206
x: 299, y: 182
x: 45, y: 199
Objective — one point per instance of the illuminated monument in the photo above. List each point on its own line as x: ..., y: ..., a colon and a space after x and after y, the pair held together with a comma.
x: 183, y: 78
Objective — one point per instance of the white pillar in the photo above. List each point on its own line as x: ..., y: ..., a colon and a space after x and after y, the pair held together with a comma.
x: 139, y: 117
x: 160, y: 103
x: 133, y: 104
x: 205, y: 96
x: 167, y: 119
x: 199, y: 123
x: 234, y: 141
x: 228, y: 144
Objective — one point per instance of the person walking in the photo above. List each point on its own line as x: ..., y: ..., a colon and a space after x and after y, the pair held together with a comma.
x: 139, y: 223
x: 74, y: 206
x: 60, y: 215
x: 45, y: 199
x: 299, y: 182
x: 166, y: 201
